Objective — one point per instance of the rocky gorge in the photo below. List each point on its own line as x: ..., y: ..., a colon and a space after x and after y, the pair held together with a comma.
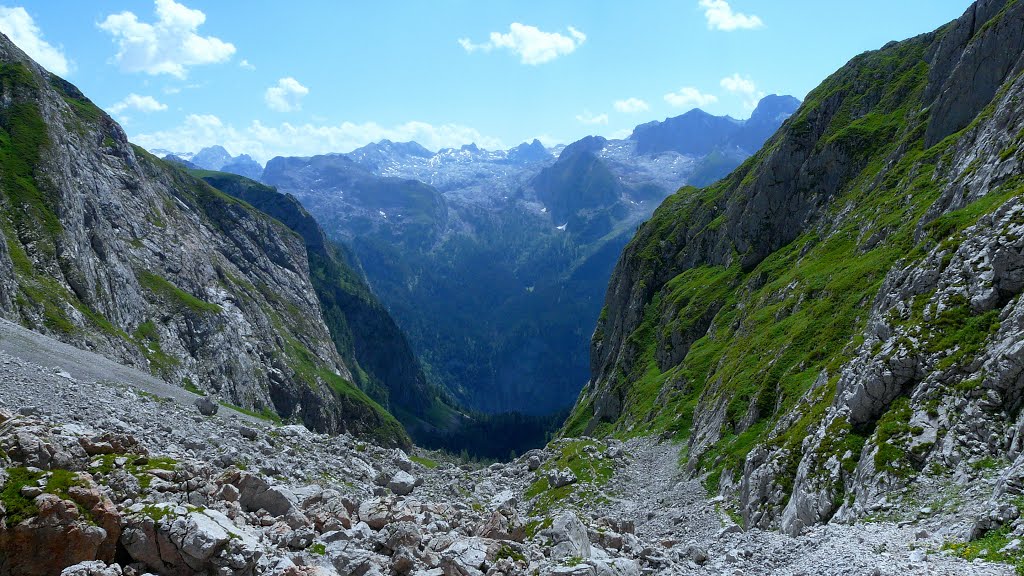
x: 813, y: 366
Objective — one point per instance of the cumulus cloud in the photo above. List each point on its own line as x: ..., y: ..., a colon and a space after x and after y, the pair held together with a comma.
x: 263, y: 141
x: 286, y: 95
x: 689, y: 96
x: 744, y: 87
x: 720, y: 16
x: 246, y: 65
x: 532, y: 45
x: 140, y: 103
x: 737, y: 83
x: 631, y: 106
x: 591, y: 119
x: 19, y: 26
x: 168, y: 46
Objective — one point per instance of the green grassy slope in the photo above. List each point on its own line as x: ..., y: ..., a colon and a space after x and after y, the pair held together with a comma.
x: 737, y: 320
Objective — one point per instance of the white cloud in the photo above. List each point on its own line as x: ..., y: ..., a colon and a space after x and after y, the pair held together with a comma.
x: 744, y: 87
x: 689, y: 96
x: 631, y: 105
x: 135, y: 102
x: 721, y: 17
x: 18, y: 25
x: 532, y: 45
x: 591, y: 120
x: 246, y: 65
x: 286, y: 95
x: 168, y: 46
x: 263, y: 142
x: 737, y: 83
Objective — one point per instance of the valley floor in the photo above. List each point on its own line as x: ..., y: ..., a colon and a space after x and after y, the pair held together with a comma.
x: 232, y: 494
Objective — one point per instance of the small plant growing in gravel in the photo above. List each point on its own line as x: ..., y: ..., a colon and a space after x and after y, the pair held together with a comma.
x: 317, y: 548
x: 990, y: 547
x: 511, y: 553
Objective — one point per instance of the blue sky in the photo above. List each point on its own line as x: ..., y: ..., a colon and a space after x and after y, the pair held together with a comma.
x: 305, y: 77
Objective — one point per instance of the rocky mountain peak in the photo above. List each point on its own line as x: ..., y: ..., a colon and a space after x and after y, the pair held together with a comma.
x: 774, y: 108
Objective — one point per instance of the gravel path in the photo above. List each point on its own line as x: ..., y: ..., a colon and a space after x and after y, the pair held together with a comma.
x: 675, y: 516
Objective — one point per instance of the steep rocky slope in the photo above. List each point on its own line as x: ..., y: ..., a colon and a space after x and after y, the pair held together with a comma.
x: 368, y: 340
x: 835, y: 329
x: 114, y: 250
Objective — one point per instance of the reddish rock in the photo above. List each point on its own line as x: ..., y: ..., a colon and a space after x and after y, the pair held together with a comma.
x: 53, y: 540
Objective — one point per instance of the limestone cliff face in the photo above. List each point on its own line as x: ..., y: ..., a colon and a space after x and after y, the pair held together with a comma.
x: 112, y: 249
x: 839, y: 319
x: 370, y: 343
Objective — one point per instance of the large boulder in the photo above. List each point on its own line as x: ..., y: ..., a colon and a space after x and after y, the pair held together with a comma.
x: 568, y: 536
x: 55, y: 538
x: 504, y: 524
x: 206, y: 406
x: 101, y: 511
x: 255, y: 493
x: 563, y: 477
x: 182, y: 540
x: 468, y: 557
x: 375, y: 512
x: 402, y: 483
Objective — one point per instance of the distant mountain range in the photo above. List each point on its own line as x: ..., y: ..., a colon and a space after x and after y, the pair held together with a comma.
x: 495, y: 262
x: 215, y: 158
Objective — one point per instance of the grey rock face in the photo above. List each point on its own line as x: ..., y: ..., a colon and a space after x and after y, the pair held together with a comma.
x: 131, y: 257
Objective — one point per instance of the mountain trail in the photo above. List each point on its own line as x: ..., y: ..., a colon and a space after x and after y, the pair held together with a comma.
x: 687, y: 532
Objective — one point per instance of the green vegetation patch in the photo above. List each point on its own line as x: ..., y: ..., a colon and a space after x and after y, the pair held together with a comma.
x: 147, y: 338
x: 423, y: 461
x: 138, y: 466
x: 264, y: 414
x: 183, y: 301
x: 754, y: 342
x: 191, y: 387
x: 19, y: 507
x: 511, y: 553
x: 585, y: 459
x: 892, y: 437
x: 989, y: 547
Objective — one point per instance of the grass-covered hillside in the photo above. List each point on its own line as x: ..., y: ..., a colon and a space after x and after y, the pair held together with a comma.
x: 738, y: 314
